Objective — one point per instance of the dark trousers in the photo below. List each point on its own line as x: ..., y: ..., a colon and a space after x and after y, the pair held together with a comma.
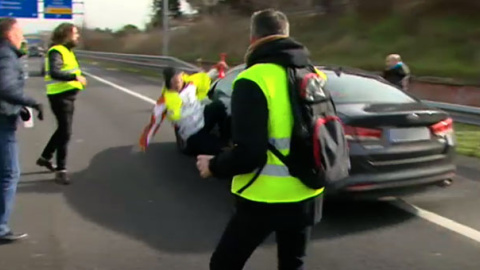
x: 247, y: 230
x: 206, y: 143
x: 62, y: 107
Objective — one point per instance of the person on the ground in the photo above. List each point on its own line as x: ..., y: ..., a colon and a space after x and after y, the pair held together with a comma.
x: 12, y: 104
x: 396, y: 71
x: 261, y: 113
x: 185, y: 103
x: 64, y: 80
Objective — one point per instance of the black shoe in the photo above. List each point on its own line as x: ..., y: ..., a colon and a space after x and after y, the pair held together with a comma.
x: 42, y: 162
x: 11, y: 237
x: 61, y: 178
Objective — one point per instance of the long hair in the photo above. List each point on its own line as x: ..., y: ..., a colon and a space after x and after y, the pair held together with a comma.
x: 61, y: 34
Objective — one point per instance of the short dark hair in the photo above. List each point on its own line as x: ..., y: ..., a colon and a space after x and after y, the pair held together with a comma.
x: 61, y: 34
x: 269, y: 22
x: 6, y: 25
x: 168, y: 74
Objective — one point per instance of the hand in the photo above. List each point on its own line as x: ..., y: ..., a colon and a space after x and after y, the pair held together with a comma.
x: 82, y: 80
x: 222, y: 64
x: 203, y: 164
x: 39, y: 109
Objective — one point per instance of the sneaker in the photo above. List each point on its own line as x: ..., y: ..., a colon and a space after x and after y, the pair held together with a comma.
x: 43, y: 162
x: 62, y: 178
x: 10, y: 237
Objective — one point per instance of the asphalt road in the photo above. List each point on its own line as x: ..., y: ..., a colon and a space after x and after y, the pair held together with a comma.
x: 130, y: 210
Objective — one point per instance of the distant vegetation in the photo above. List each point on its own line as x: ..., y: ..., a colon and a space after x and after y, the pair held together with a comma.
x: 435, y: 37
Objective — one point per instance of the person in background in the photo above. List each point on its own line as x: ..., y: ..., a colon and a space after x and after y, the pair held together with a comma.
x: 12, y: 105
x: 396, y: 71
x: 261, y: 113
x: 64, y: 81
x: 185, y: 103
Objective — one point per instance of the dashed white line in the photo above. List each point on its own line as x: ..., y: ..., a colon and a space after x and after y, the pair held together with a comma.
x: 410, y: 208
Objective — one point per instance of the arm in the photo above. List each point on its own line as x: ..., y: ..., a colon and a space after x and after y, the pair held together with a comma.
x: 9, y: 84
x: 249, y: 132
x: 202, y: 81
x: 55, y: 64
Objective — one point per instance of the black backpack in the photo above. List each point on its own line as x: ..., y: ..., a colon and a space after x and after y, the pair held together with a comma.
x: 319, y: 153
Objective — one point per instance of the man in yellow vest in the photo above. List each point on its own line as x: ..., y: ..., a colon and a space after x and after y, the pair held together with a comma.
x: 262, y: 114
x: 64, y: 80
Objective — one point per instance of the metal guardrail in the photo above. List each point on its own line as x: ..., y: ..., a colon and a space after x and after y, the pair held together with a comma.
x: 146, y: 61
x: 461, y: 113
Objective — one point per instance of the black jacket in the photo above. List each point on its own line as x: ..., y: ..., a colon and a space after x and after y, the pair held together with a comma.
x: 250, y: 129
x: 12, y: 82
x: 396, y: 74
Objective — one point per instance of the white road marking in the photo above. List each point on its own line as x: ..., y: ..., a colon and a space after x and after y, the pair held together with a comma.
x: 438, y: 220
x: 410, y: 208
x: 121, y: 88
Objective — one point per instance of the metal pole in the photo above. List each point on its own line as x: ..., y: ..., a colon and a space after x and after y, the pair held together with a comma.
x: 165, y: 27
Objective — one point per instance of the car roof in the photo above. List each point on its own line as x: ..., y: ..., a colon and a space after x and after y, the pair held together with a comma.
x: 333, y: 68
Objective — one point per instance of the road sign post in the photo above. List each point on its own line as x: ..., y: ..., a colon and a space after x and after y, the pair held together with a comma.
x: 19, y: 8
x: 165, y: 27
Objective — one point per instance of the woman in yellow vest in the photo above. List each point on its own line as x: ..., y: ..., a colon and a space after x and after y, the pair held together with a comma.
x: 184, y: 101
x: 261, y: 114
x: 64, y: 80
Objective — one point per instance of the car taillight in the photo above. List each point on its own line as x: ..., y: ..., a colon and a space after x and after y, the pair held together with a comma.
x: 443, y: 127
x: 362, y: 134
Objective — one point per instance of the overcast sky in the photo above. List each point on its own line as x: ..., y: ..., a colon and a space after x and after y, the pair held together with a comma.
x: 99, y: 13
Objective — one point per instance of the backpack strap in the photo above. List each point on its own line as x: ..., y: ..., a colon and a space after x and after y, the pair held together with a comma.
x: 277, y: 154
x: 257, y: 174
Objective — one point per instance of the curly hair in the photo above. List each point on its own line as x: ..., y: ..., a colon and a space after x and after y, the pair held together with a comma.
x: 61, y: 34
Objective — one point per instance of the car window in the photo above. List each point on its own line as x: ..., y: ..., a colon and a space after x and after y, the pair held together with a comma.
x: 349, y: 88
x: 225, y: 85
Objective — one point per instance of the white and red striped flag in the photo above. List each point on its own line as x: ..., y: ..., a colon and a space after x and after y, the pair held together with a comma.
x: 156, y: 119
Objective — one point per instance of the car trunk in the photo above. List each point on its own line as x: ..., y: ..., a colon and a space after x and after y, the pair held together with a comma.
x: 386, y: 137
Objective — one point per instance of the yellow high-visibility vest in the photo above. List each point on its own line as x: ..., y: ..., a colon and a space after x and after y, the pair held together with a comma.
x: 274, y: 183
x: 70, y: 65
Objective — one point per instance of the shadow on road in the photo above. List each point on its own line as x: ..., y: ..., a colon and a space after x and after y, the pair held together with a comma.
x: 158, y: 198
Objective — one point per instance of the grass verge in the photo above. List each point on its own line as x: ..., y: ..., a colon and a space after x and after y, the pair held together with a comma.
x: 468, y: 140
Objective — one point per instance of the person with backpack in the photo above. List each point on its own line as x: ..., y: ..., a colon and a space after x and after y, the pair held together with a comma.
x: 288, y: 143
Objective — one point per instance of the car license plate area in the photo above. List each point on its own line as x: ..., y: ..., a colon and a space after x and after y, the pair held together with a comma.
x: 402, y: 135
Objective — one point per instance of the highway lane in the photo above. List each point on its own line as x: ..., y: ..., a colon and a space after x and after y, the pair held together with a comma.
x: 127, y: 210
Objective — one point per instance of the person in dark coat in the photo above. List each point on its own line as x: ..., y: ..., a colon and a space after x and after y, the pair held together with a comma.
x: 13, y: 103
x: 396, y: 71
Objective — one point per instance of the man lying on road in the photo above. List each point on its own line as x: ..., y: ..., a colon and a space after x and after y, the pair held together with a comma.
x: 184, y: 102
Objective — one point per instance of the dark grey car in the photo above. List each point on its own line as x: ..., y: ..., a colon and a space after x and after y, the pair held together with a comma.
x: 397, y: 143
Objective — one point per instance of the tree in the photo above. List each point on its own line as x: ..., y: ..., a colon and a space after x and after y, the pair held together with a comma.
x: 375, y: 9
x: 157, y: 10
x: 127, y: 29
